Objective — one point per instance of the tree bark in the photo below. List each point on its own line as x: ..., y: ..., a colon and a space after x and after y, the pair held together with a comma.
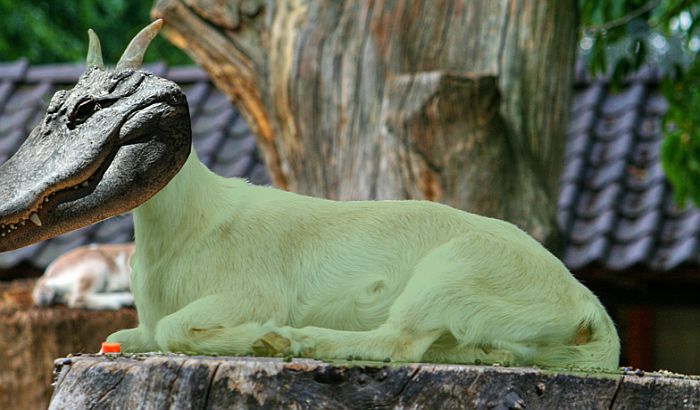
x: 31, y: 338
x: 158, y: 381
x: 463, y: 102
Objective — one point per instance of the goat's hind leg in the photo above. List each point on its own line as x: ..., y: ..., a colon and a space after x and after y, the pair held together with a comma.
x: 444, y: 299
x: 405, y: 336
x: 215, y: 325
x: 418, y: 318
x: 385, y: 342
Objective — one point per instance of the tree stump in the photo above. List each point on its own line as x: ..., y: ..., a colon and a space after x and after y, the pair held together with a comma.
x: 31, y: 338
x: 176, y: 381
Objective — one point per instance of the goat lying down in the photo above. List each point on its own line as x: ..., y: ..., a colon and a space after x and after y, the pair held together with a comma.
x: 91, y: 277
x: 223, y: 267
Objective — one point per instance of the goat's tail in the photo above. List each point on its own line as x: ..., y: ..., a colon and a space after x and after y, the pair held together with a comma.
x: 595, y: 345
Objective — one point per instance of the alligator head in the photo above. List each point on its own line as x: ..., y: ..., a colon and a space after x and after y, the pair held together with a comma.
x: 103, y: 148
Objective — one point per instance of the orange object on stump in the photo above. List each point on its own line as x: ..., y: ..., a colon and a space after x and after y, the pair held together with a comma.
x: 108, y: 347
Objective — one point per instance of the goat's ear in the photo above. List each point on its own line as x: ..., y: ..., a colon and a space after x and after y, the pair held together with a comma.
x: 94, y: 55
x: 133, y: 55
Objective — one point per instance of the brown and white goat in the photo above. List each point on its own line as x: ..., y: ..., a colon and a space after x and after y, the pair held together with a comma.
x: 91, y: 277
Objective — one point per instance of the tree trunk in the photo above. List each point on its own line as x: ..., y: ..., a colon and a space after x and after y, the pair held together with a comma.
x: 156, y: 382
x: 459, y: 101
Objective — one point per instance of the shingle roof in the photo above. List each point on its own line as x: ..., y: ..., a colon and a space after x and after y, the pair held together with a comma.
x: 615, y: 207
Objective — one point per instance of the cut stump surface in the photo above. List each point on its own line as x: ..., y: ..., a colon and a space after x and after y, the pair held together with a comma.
x: 174, y: 381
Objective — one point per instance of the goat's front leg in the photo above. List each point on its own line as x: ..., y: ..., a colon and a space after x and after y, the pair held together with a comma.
x: 216, y: 325
x: 134, y: 340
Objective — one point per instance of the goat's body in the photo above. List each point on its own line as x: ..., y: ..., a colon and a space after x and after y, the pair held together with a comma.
x: 90, y: 277
x: 225, y: 267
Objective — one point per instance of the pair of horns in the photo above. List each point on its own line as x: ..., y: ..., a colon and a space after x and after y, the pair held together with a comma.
x: 132, y: 56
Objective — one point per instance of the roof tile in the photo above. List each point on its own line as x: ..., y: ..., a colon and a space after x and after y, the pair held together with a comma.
x: 592, y: 203
x: 14, y: 71
x: 681, y: 227
x: 56, y: 73
x: 160, y: 69
x: 651, y: 128
x: 638, y: 203
x: 577, y: 144
x: 638, y: 178
x: 587, y: 99
x: 578, y: 256
x: 574, y: 169
x: 609, y: 151
x: 258, y: 175
x: 567, y: 195
x: 565, y: 219
x: 187, y: 74
x: 112, y: 230
x: 605, y: 175
x: 581, y: 122
x: 676, y: 254
x: 656, y: 105
x: 234, y: 148
x: 196, y: 95
x: 624, y: 255
x: 10, y: 259
x: 17, y: 120
x: 6, y: 89
x: 631, y: 228
x: 623, y: 102
x: 213, y: 121
x: 645, y: 153
x: 10, y: 138
x: 612, y: 126
x: 586, y: 230
x: 29, y: 98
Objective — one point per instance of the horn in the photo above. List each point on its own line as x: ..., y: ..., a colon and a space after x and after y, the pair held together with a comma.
x: 94, y: 55
x: 133, y: 55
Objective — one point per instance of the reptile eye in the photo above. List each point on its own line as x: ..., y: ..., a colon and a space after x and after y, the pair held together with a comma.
x: 84, y: 110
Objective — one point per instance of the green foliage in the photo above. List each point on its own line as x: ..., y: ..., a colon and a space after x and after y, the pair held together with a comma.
x: 607, y: 25
x: 53, y: 31
x: 619, y: 36
x: 680, y: 150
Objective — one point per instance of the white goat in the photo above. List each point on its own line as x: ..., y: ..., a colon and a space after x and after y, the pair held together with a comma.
x: 223, y: 267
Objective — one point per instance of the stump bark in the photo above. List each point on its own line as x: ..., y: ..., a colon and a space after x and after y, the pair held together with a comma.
x: 31, y: 338
x: 174, y: 381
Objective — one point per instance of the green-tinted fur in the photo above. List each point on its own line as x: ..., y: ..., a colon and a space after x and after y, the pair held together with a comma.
x: 224, y: 267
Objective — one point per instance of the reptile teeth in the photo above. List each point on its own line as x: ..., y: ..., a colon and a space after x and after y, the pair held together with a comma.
x: 35, y: 219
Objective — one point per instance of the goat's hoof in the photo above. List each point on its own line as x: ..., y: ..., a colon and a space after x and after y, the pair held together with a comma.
x: 272, y: 344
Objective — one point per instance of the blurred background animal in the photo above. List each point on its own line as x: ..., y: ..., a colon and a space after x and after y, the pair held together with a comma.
x: 89, y: 277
